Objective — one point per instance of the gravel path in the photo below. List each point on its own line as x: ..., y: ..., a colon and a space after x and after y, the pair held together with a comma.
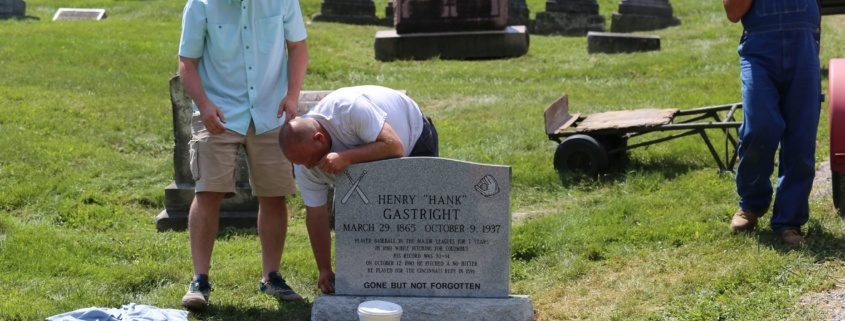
x: 832, y: 301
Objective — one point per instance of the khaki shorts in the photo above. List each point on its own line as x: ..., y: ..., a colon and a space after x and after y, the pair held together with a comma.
x: 213, y: 160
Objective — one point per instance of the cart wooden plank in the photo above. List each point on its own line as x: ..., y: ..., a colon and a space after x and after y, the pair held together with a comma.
x: 624, y: 119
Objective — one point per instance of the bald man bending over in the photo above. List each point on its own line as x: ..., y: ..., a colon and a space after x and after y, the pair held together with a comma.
x: 351, y: 125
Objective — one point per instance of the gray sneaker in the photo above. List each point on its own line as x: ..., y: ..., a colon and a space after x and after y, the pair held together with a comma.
x: 276, y: 286
x: 196, y: 299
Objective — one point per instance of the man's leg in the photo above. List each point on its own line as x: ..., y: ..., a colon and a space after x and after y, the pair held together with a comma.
x: 271, y: 177
x: 203, y: 223
x: 212, y: 166
x: 272, y: 231
x: 801, y: 109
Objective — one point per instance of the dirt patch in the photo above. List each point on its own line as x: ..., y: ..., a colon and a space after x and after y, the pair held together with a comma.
x: 830, y: 303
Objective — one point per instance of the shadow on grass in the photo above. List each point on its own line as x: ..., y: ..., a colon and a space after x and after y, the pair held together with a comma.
x: 823, y: 245
x: 299, y: 310
x: 621, y: 166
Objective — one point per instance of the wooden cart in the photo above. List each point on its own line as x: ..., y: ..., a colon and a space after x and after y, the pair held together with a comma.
x: 587, y: 144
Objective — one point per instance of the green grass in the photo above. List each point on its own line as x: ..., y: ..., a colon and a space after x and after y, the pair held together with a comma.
x: 86, y: 151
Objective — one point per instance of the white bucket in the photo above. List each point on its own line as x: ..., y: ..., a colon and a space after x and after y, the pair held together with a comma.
x: 379, y: 311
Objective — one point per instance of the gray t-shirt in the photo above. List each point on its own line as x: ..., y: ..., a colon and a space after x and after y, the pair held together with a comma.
x: 354, y: 116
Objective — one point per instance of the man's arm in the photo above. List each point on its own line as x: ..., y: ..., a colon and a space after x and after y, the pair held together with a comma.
x: 297, y: 65
x: 736, y: 9
x: 317, y: 223
x: 212, y: 117
x: 387, y: 145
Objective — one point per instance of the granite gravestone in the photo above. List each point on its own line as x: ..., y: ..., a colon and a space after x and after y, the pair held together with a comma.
x: 569, y: 18
x: 441, y: 232
x: 359, y: 12
x: 79, y: 14
x: 12, y: 9
x: 643, y: 15
x: 518, y: 13
x: 415, y: 16
x: 238, y: 211
x: 451, y: 29
x: 610, y: 42
x: 429, y: 234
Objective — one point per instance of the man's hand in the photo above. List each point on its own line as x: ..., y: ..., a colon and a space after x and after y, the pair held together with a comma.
x: 288, y: 106
x: 212, y: 119
x: 326, y: 281
x: 333, y: 163
x: 736, y: 9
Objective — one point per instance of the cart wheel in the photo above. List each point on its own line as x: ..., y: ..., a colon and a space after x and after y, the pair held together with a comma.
x: 581, y: 154
x: 838, y: 182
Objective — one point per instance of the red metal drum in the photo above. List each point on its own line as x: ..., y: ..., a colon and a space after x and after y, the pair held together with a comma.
x: 836, y: 92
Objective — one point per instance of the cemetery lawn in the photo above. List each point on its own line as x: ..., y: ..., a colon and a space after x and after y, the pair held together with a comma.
x: 86, y: 152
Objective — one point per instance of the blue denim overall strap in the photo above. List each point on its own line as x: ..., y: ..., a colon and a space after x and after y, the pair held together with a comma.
x: 776, y: 15
x: 781, y: 93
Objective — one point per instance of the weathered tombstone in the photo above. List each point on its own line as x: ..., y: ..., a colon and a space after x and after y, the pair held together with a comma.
x: 518, y: 13
x: 451, y: 29
x: 415, y: 16
x: 359, y: 12
x: 643, y: 15
x: 238, y: 211
x: 388, y: 14
x: 79, y: 14
x: 609, y: 42
x: 12, y: 9
x: 569, y: 18
x: 430, y: 234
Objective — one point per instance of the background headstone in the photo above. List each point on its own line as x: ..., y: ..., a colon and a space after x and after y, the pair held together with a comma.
x: 423, y: 226
x: 359, y: 12
x: 79, y: 14
x: 569, y: 18
x: 608, y: 42
x: 451, y: 29
x: 388, y: 14
x: 427, y: 16
x: 12, y: 9
x: 643, y: 15
x: 508, y: 43
x: 238, y: 211
x: 518, y: 13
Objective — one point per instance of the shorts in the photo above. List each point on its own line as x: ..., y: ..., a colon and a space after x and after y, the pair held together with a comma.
x: 213, y: 160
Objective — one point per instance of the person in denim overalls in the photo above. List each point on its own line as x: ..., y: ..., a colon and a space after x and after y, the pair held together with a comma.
x: 781, y: 97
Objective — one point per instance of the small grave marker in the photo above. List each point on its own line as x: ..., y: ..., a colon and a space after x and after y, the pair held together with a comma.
x: 79, y: 14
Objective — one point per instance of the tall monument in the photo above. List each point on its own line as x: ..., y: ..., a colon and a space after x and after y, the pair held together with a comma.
x: 451, y: 29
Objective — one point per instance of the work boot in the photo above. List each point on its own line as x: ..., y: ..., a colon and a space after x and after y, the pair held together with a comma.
x: 792, y: 238
x: 745, y: 220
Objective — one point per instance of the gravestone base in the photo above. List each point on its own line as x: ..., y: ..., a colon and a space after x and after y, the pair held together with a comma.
x: 567, y: 24
x: 606, y: 42
x: 348, y: 19
x: 240, y: 211
x: 637, y: 22
x: 345, y: 308
x: 178, y: 221
x: 358, y: 12
x: 508, y: 43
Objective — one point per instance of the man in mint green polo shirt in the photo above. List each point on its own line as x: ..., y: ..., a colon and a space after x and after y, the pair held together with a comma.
x: 242, y: 62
